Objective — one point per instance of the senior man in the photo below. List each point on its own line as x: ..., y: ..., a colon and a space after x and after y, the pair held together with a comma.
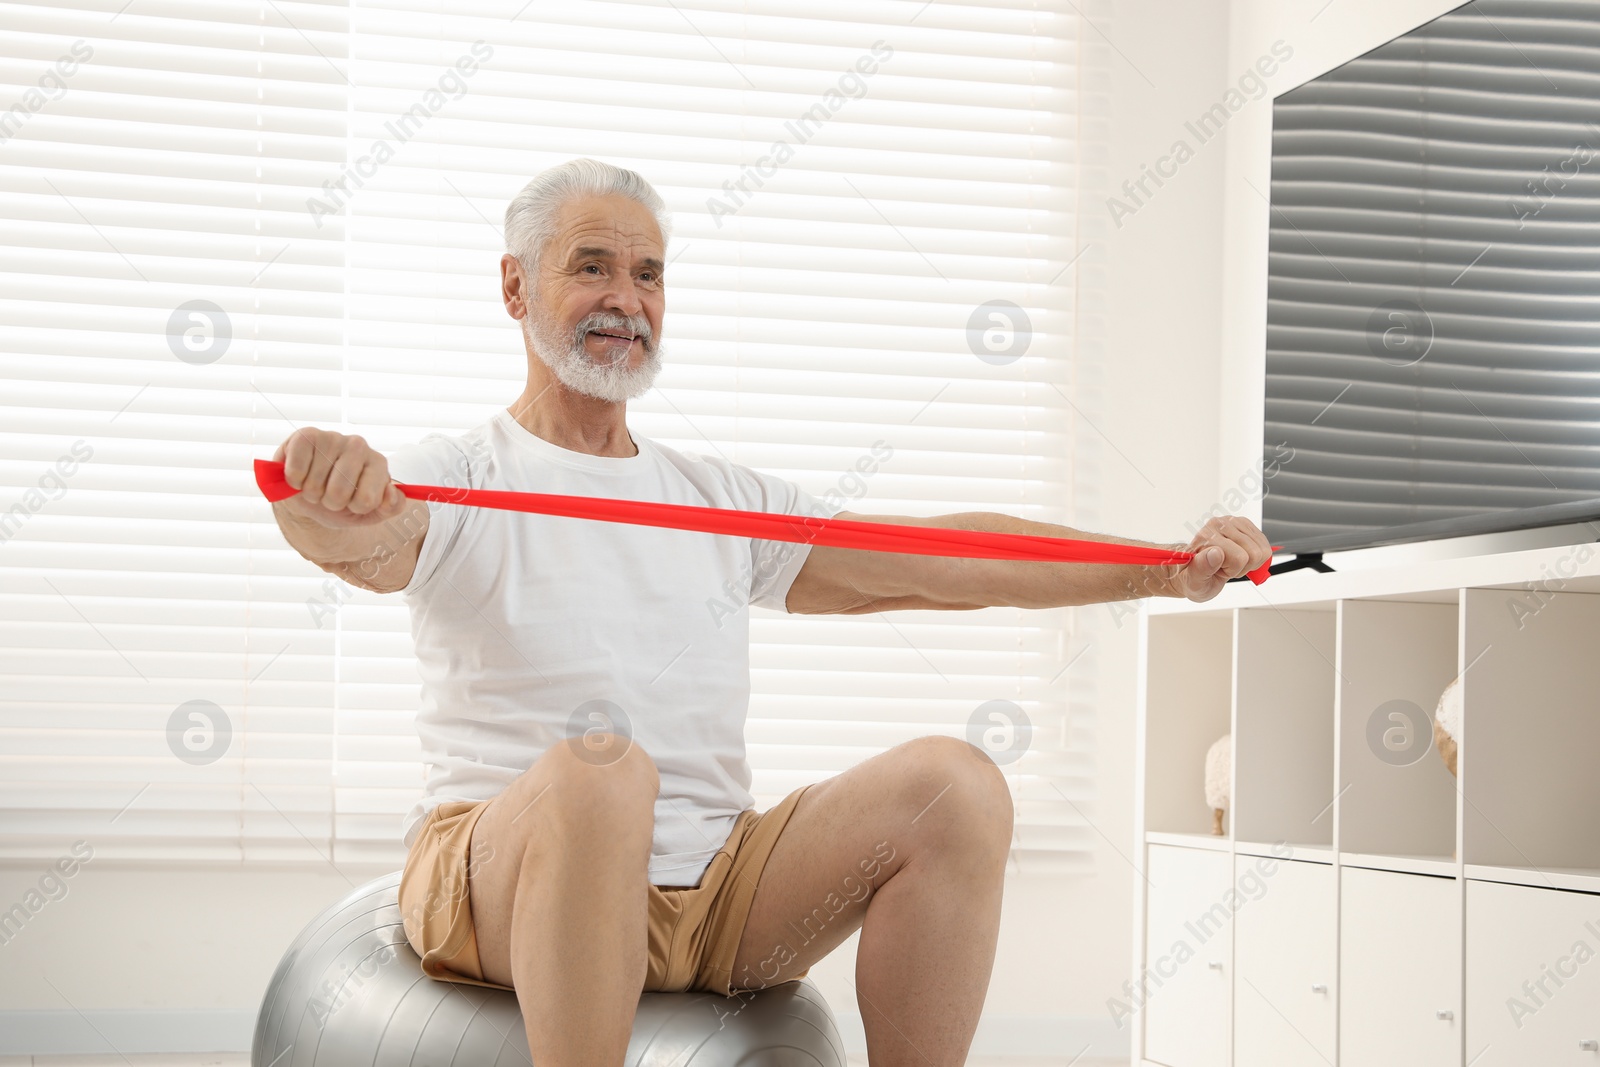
x: 587, y: 831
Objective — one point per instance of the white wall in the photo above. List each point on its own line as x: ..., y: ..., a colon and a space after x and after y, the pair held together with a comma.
x: 1157, y: 423
x: 155, y: 958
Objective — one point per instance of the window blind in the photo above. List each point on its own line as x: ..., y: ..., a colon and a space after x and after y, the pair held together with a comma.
x: 1431, y: 329
x: 240, y: 218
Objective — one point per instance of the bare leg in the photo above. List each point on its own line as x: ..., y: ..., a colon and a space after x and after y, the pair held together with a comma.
x: 559, y: 899
x: 910, y: 847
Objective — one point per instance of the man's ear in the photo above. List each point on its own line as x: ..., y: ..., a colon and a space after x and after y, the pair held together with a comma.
x: 515, y: 287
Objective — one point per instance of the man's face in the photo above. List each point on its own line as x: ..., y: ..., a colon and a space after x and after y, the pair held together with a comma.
x: 594, y: 316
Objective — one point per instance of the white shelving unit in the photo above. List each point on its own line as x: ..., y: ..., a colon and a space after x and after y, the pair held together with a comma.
x: 1365, y: 907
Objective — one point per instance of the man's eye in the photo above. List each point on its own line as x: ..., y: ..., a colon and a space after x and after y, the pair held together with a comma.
x: 592, y: 266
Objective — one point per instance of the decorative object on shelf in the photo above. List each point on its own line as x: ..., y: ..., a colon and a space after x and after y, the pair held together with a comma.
x: 1219, y: 779
x: 1447, y: 724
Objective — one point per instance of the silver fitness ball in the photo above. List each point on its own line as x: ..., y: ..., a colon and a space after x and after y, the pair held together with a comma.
x: 350, y: 991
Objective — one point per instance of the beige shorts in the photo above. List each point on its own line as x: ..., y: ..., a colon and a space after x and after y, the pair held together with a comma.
x: 693, y: 932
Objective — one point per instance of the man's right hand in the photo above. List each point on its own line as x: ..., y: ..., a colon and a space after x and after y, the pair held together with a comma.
x: 343, y: 481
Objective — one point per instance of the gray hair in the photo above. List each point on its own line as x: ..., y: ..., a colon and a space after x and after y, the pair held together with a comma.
x: 531, y: 215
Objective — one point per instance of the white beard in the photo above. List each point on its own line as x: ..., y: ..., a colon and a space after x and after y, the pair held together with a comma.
x: 574, y: 368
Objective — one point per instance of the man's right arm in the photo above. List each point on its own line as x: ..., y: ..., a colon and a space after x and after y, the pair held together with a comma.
x: 348, y: 517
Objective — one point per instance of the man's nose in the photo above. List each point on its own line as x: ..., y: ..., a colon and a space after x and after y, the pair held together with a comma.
x: 622, y: 298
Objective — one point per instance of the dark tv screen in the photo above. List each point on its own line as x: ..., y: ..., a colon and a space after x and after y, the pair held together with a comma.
x: 1433, y: 295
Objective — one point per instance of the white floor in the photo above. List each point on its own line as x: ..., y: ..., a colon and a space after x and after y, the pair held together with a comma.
x: 241, y: 1059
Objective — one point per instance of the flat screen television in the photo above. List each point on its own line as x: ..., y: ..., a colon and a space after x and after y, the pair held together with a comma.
x: 1433, y: 294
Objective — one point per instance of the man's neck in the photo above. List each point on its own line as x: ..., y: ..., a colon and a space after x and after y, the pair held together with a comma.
x: 573, y: 421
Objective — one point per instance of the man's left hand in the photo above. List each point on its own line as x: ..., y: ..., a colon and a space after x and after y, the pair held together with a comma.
x: 1225, y: 548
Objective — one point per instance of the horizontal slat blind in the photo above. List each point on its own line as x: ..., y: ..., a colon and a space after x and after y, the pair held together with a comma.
x: 818, y: 318
x: 167, y: 165
x: 1433, y: 343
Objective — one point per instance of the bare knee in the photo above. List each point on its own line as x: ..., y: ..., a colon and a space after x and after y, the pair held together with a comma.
x: 950, y: 773
x: 596, y: 780
x: 606, y: 762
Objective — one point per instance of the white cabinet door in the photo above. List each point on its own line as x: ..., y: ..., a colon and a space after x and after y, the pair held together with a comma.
x: 1284, y: 953
x: 1400, y: 978
x: 1533, y: 976
x: 1188, y: 957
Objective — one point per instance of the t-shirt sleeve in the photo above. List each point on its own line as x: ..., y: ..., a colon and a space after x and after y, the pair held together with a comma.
x: 774, y: 564
x: 437, y: 459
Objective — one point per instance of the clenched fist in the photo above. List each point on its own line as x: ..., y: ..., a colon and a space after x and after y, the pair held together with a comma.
x: 342, y: 481
x: 1225, y: 548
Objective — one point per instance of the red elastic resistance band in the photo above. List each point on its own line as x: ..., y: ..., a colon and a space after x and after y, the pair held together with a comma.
x: 801, y: 529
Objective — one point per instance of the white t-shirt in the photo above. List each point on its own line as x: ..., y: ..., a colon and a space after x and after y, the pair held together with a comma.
x: 527, y: 625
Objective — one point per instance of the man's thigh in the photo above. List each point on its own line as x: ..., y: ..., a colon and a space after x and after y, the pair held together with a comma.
x: 849, y: 835
x: 521, y: 819
x: 501, y: 837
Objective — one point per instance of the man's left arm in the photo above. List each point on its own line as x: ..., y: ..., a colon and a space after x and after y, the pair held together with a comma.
x: 844, y: 581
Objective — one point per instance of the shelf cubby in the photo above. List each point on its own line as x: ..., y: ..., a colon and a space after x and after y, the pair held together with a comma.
x: 1396, y: 797
x: 1531, y: 734
x: 1188, y: 702
x: 1283, y: 726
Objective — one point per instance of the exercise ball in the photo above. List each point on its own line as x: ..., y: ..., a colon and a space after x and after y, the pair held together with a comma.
x: 350, y: 991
